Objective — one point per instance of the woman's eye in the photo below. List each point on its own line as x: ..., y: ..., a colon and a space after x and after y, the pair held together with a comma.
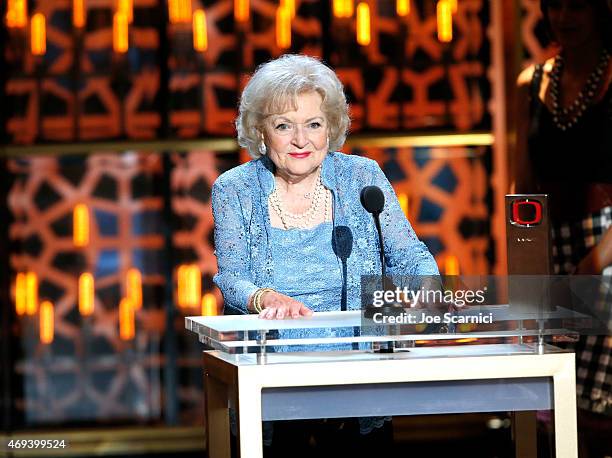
x: 314, y: 125
x: 282, y: 126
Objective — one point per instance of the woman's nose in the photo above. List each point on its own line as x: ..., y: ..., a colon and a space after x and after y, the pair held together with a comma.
x: 300, y: 139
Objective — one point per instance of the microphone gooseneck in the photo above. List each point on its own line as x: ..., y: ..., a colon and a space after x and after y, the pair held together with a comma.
x: 373, y: 200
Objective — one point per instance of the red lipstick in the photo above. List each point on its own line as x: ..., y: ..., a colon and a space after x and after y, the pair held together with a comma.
x: 300, y: 155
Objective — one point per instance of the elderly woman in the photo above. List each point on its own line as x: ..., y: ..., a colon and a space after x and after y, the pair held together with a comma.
x: 291, y: 236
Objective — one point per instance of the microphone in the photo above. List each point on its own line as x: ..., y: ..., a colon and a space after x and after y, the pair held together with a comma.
x: 342, y: 244
x: 373, y: 200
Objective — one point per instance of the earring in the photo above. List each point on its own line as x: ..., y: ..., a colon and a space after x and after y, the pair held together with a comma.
x: 327, y: 147
x: 262, y: 149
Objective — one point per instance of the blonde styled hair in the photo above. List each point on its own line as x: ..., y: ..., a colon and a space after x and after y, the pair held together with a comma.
x: 274, y: 88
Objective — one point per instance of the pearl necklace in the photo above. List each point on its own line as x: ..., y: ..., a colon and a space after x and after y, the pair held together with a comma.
x: 565, y: 118
x: 320, y: 197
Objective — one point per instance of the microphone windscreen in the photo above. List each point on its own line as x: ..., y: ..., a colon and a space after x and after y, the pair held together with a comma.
x: 372, y: 199
x: 342, y: 242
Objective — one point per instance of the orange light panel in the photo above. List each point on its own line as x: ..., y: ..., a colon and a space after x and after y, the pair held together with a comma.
x: 46, y: 322
x: 20, y: 293
x: 86, y: 294
x: 241, y: 10
x: 283, y: 28
x: 31, y: 302
x: 402, y: 7
x: 209, y: 305
x: 403, y: 201
x: 17, y: 13
x: 348, y: 8
x: 200, y: 33
x: 173, y: 11
x: 38, y: 35
x: 134, y: 287
x: 454, y: 5
x: 451, y: 265
x: 445, y: 21
x: 80, y: 225
x: 126, y: 7
x: 127, y: 321
x: 78, y: 13
x: 120, y: 33
x: 289, y: 5
x: 193, y: 286
x: 185, y: 11
x: 181, y: 280
x: 363, y: 24
x: 342, y: 8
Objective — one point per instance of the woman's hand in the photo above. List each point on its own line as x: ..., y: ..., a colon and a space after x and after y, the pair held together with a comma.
x: 277, y: 306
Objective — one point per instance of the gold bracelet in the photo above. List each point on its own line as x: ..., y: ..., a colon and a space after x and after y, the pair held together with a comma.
x: 257, y: 298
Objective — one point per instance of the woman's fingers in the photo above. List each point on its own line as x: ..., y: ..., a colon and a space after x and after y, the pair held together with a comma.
x: 278, y: 306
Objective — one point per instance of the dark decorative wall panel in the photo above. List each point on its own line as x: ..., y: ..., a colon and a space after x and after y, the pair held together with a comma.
x: 82, y: 90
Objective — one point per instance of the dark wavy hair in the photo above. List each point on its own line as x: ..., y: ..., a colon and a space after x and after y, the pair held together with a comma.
x: 603, y: 11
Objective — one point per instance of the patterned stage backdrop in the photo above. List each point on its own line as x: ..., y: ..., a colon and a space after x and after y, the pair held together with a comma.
x: 88, y: 373
x: 406, y: 79
x: 82, y: 90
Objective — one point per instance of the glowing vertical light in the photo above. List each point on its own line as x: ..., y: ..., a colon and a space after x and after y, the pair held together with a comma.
x: 451, y: 265
x: 200, y: 33
x: 120, y: 33
x: 185, y: 11
x: 193, y: 286
x: 173, y: 11
x: 31, y: 296
x: 20, y: 293
x: 342, y: 8
x: 363, y: 24
x: 403, y: 201
x: 126, y: 7
x: 445, y: 21
x: 402, y: 7
x: 17, y: 13
x: 134, y: 287
x: 283, y: 28
x: 127, y: 320
x: 290, y: 6
x: 78, y: 13
x: 241, y: 10
x: 209, y: 305
x: 46, y: 322
x: 38, y: 35
x: 181, y: 280
x: 86, y: 294
x: 80, y: 225
x: 189, y: 285
x: 348, y: 8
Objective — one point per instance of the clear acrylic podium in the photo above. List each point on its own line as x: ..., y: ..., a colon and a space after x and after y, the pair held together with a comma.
x: 253, y: 370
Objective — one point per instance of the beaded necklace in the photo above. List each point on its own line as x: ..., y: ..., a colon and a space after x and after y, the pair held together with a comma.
x: 565, y: 118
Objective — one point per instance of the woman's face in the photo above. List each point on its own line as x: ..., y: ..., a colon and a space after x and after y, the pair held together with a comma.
x: 297, y: 141
x: 573, y: 22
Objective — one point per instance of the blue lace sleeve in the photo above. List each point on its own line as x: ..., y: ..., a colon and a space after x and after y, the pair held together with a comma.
x: 233, y: 277
x: 405, y: 254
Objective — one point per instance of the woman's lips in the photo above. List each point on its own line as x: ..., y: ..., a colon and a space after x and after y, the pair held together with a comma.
x: 300, y: 155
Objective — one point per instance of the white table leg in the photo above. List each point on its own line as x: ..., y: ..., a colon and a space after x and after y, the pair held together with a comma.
x: 566, y: 442
x: 249, y: 420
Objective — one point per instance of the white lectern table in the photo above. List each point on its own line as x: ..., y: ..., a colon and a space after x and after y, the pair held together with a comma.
x: 420, y: 380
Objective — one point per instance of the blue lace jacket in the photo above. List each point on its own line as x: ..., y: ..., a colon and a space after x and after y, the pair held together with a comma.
x: 242, y: 228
